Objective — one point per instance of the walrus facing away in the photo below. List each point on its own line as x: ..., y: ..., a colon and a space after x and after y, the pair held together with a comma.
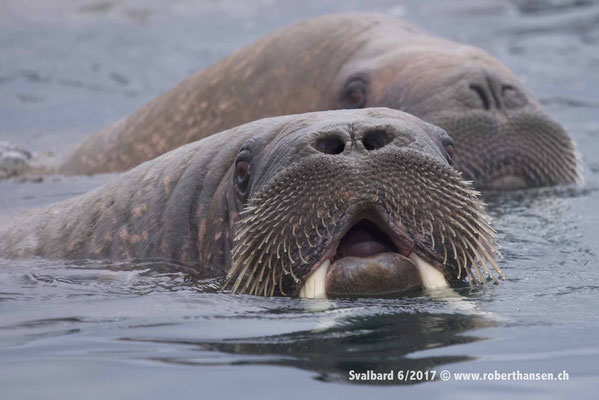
x: 503, y: 137
x: 338, y: 203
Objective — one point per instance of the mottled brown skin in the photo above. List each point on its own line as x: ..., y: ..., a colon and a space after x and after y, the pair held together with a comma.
x: 293, y: 184
x: 277, y: 75
x: 174, y: 208
x: 503, y: 137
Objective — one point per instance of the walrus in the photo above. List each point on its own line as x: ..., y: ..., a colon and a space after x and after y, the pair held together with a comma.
x: 503, y: 137
x: 325, y: 204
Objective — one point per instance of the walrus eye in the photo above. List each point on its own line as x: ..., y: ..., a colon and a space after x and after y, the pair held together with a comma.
x: 354, y: 94
x: 449, y: 150
x: 242, y: 178
x: 242, y: 175
x: 448, y: 146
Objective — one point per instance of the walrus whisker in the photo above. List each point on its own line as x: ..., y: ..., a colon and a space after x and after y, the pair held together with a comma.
x: 299, y: 250
x: 318, y: 232
x: 288, y: 251
x: 274, y: 228
x: 240, y: 277
x: 261, y: 289
x: 488, y: 271
x: 431, y: 234
x: 283, y: 293
x: 452, y: 231
x: 474, y: 267
x: 295, y: 278
x: 444, y: 255
x: 307, y: 236
x: 285, y: 270
x: 466, y: 266
x: 481, y: 247
x: 491, y: 261
x: 250, y: 278
x: 254, y: 286
x: 326, y: 226
x: 489, y: 231
x: 459, y: 276
x: 481, y: 261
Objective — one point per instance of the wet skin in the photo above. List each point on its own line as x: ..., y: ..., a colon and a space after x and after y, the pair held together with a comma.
x: 340, y: 196
x: 503, y: 137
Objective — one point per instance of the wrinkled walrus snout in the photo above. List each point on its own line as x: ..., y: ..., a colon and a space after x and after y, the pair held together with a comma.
x: 355, y: 203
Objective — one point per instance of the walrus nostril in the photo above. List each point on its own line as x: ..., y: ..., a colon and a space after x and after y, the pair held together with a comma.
x: 375, y: 139
x: 330, y: 145
x: 512, y: 97
x: 482, y: 94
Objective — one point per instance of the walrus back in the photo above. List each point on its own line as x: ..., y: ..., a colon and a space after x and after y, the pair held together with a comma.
x: 264, y: 79
x: 150, y: 211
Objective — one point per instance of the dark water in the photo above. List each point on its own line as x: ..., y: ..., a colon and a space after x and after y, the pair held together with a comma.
x: 68, y: 68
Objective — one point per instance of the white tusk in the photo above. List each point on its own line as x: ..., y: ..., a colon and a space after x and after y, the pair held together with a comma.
x: 431, y: 277
x: 314, y: 287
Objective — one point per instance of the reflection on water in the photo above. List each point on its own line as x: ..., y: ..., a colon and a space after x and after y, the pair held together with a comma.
x: 327, y: 337
x: 378, y: 343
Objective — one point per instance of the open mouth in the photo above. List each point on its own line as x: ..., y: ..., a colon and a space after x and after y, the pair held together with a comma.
x: 371, y: 259
x: 365, y: 239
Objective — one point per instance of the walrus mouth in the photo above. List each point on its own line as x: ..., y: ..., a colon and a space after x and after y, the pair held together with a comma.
x: 372, y: 259
x: 510, y: 172
x: 518, y: 171
x: 328, y: 228
x: 526, y: 151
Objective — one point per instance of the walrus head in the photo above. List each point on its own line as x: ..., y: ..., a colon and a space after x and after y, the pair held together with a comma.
x: 504, y: 139
x: 335, y: 203
x: 362, y: 203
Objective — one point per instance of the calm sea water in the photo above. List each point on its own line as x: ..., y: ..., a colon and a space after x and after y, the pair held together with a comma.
x: 68, y: 68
